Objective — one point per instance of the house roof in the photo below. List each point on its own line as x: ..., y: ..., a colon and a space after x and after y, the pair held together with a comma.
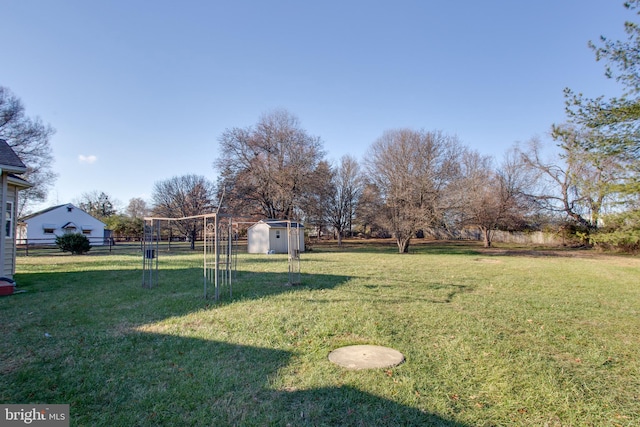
x: 35, y: 214
x: 9, y: 160
x: 41, y: 212
x: 18, y: 181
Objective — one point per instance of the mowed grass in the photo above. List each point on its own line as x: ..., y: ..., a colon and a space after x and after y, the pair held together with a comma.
x: 508, y: 336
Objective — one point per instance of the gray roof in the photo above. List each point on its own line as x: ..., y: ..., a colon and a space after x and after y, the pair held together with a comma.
x: 279, y: 223
x: 18, y: 181
x: 9, y: 160
x: 42, y: 211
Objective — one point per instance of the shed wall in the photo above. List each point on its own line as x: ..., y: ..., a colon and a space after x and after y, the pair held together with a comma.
x: 258, y: 239
x: 278, y: 240
x: 262, y: 238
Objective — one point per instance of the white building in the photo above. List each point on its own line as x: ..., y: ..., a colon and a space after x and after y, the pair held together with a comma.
x: 271, y: 236
x: 41, y: 228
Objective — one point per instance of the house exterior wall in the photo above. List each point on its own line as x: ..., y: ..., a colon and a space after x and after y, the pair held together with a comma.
x: 9, y: 262
x: 43, y: 228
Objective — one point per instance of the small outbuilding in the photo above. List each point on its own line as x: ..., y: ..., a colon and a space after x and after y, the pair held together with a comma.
x: 42, y: 228
x: 271, y: 236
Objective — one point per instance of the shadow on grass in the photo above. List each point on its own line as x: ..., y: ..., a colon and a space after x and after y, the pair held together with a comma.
x: 98, y: 356
x: 154, y: 379
x: 177, y: 292
x: 181, y: 290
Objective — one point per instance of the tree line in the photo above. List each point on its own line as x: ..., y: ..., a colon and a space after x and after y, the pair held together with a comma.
x: 411, y: 180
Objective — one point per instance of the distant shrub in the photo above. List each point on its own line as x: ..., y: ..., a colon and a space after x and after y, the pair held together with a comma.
x: 621, y: 232
x: 76, y: 243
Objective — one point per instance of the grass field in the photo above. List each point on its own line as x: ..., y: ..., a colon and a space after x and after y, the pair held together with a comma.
x: 507, y: 336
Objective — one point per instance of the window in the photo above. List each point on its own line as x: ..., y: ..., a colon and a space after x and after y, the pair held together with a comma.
x: 9, y: 220
x: 69, y: 227
x: 277, y: 234
x: 49, y: 228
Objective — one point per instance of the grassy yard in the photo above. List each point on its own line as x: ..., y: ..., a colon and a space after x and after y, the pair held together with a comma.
x: 508, y: 336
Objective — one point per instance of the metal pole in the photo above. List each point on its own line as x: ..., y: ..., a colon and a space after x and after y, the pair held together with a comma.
x: 217, y: 257
x: 204, y: 263
x: 229, y: 259
x: 157, y: 252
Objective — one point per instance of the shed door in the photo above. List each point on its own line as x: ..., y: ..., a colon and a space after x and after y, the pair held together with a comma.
x: 279, y: 240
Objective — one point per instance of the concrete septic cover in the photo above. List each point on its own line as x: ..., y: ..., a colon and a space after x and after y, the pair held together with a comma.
x: 366, y: 357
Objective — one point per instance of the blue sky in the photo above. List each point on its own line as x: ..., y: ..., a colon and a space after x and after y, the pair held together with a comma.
x: 140, y: 91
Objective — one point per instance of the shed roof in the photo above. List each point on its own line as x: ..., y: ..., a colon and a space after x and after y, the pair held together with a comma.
x: 278, y: 223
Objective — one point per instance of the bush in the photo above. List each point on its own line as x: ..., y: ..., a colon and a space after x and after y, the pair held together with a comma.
x: 621, y: 232
x: 76, y: 243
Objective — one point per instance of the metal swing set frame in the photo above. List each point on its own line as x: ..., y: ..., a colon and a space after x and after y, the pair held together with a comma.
x: 220, y: 251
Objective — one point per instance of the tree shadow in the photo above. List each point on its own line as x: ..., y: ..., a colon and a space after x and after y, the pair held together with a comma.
x: 157, y: 379
x: 178, y: 291
x: 104, y: 358
x: 348, y: 406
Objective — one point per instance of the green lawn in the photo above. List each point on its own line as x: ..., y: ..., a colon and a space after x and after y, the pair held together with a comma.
x: 508, y: 336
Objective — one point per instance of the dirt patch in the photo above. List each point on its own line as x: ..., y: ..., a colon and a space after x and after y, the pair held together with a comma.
x: 485, y: 254
x: 620, y: 259
x: 488, y: 260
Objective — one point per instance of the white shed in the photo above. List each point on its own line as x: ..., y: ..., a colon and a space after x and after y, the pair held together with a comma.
x: 44, y: 226
x: 270, y: 236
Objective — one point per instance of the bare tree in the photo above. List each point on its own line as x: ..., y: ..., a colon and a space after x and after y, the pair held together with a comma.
x: 412, y: 170
x: 346, y: 186
x: 368, y: 209
x: 267, y: 169
x: 184, y: 196
x: 578, y: 183
x: 137, y: 208
x: 318, y: 198
x: 486, y: 197
x: 29, y: 138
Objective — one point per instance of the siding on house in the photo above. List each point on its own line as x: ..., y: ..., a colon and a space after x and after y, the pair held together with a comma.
x: 10, y: 184
x: 43, y: 227
x: 9, y: 266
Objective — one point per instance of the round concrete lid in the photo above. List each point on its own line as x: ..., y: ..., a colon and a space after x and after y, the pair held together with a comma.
x: 366, y: 357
